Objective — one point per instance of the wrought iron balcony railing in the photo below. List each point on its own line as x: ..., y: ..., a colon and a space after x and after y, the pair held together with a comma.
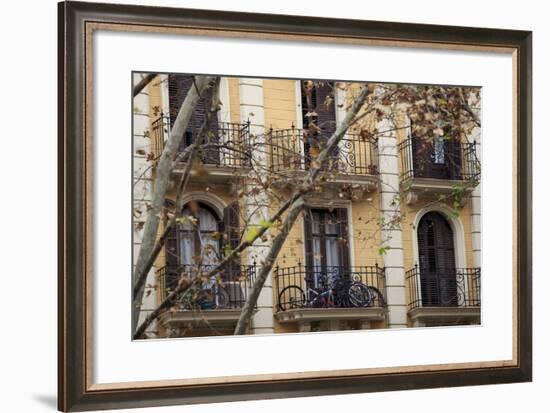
x: 230, y: 147
x: 455, y: 287
x: 330, y: 287
x: 227, y: 290
x: 296, y: 150
x: 439, y: 159
x: 160, y: 130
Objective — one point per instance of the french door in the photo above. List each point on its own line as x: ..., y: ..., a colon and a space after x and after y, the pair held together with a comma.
x: 438, y: 284
x: 327, y: 247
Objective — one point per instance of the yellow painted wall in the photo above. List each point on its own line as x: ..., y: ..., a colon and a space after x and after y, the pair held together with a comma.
x: 410, y: 212
x: 279, y: 103
x: 364, y: 231
x: 234, y: 99
x: 155, y: 108
x: 280, y: 113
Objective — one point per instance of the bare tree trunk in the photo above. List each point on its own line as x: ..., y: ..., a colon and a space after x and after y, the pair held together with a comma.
x: 142, y: 277
x: 142, y: 83
x: 278, y: 241
x: 303, y: 189
x: 184, y: 283
x: 307, y: 185
x: 162, y: 181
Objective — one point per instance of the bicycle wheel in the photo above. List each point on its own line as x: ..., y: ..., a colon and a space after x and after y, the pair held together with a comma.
x: 221, y: 297
x: 359, y: 295
x: 377, y: 297
x: 291, y: 297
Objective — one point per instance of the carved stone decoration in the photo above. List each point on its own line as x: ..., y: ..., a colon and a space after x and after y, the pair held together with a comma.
x: 411, y: 197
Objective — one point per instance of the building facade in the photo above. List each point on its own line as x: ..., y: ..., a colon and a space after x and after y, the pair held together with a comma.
x: 392, y: 212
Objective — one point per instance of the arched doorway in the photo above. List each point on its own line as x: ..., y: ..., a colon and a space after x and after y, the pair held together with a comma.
x: 436, y: 255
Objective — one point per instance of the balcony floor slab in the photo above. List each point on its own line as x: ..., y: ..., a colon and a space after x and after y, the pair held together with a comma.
x: 307, y: 315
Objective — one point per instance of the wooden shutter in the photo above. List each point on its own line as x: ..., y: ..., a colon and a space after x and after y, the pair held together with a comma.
x: 308, y: 237
x: 326, y: 113
x: 231, y: 228
x: 178, y: 87
x: 453, y: 158
x: 437, y: 261
x: 343, y: 235
x: 172, y: 259
x: 416, y: 156
x: 325, y: 119
x: 171, y: 250
x: 422, y: 154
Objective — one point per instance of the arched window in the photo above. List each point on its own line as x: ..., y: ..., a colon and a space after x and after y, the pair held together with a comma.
x: 436, y: 255
x: 198, y: 225
x: 197, y: 231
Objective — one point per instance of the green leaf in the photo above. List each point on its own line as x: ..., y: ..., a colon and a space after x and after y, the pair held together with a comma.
x: 252, y: 234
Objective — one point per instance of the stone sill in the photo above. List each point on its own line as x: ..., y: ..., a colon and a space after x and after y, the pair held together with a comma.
x: 214, y: 317
x: 214, y: 173
x: 427, y: 314
x: 306, y: 315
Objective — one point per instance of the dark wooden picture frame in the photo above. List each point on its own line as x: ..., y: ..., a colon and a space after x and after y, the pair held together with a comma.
x: 76, y: 392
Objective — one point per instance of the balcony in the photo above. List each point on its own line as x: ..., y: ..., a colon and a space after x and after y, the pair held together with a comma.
x: 438, y: 166
x: 217, y: 301
x: 307, y: 295
x: 444, y: 296
x: 228, y: 155
x: 292, y: 151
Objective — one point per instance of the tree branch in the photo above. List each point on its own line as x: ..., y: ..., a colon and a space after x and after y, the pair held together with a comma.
x: 307, y: 185
x: 297, y: 205
x: 142, y: 83
x: 162, y: 180
x: 142, y: 277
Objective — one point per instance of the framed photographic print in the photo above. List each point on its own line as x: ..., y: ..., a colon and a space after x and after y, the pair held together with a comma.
x: 265, y: 206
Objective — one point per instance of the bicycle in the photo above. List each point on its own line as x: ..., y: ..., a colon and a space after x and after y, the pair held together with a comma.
x: 209, y: 296
x: 342, y: 292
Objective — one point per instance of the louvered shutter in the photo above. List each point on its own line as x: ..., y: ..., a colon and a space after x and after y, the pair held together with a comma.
x: 326, y: 119
x: 231, y: 228
x: 171, y: 250
x: 343, y: 235
x: 428, y: 280
x: 416, y: 156
x: 308, y: 237
x: 453, y: 158
x: 308, y: 246
x: 178, y: 87
x: 444, y: 247
x: 437, y: 261
x: 171, y: 254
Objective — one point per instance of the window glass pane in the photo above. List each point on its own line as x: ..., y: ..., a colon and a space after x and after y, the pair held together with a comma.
x: 316, y: 252
x: 439, y: 150
x: 333, y: 256
x: 316, y: 222
x: 186, y: 223
x: 187, y: 250
x: 207, y: 221
x: 331, y: 227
